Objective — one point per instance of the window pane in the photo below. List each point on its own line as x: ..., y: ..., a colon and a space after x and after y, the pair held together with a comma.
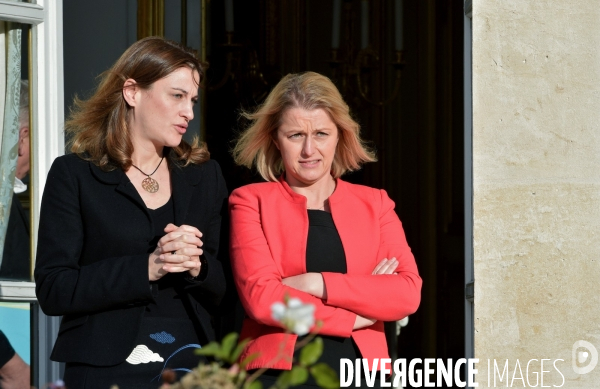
x: 16, y: 252
x: 15, y: 325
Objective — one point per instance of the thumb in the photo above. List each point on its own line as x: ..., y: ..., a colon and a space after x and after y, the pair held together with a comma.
x: 170, y: 228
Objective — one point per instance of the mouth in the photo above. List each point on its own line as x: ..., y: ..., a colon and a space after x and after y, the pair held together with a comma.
x: 310, y: 163
x: 181, y: 128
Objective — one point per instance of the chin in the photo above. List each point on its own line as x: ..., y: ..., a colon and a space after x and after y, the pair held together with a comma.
x: 308, y: 181
x: 174, y: 143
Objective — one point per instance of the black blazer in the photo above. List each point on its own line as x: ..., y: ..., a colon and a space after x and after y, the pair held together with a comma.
x: 16, y: 254
x: 92, y: 254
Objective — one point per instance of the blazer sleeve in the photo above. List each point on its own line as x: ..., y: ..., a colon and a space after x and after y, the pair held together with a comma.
x: 401, y: 292
x: 210, y: 286
x: 256, y: 275
x: 62, y: 285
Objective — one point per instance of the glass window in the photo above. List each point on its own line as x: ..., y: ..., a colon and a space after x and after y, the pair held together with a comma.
x: 31, y: 51
x: 15, y: 158
x: 15, y: 319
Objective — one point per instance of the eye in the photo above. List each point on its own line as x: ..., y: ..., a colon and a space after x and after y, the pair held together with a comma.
x: 178, y: 96
x: 295, y: 136
x: 321, y: 133
x: 194, y: 101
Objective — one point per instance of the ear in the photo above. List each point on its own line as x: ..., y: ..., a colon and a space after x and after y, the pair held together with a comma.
x: 23, y: 140
x: 131, y: 92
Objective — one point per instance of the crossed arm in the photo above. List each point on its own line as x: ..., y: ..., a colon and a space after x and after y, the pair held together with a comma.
x: 344, y: 302
x: 313, y: 284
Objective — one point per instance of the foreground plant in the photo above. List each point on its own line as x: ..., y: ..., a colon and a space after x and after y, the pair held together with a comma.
x: 227, y: 372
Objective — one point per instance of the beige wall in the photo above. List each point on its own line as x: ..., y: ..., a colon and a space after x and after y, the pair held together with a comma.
x: 536, y: 166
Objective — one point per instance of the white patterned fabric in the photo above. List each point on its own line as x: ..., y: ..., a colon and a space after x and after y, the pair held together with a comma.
x: 10, y: 87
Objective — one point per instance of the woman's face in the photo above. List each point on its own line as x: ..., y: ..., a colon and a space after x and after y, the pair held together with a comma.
x: 307, y: 141
x: 161, y: 113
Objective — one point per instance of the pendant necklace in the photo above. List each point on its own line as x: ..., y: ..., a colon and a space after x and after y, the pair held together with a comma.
x: 149, y: 184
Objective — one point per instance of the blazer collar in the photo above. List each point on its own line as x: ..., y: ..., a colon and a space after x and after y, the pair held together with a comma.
x: 183, y: 179
x: 288, y: 192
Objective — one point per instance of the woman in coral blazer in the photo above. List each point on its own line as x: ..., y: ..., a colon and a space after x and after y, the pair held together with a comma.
x: 309, y: 234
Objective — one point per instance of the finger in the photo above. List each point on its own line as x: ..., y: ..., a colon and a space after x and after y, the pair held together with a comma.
x: 185, y: 266
x: 184, y: 237
x: 379, y: 265
x: 187, y: 238
x: 177, y: 246
x: 170, y: 227
x: 181, y: 255
x: 389, y: 267
x: 184, y: 228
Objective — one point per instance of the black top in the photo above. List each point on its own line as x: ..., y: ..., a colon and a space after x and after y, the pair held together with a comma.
x: 325, y: 253
x: 168, y: 301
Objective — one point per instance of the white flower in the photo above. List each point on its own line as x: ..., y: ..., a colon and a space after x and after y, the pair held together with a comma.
x: 296, y: 316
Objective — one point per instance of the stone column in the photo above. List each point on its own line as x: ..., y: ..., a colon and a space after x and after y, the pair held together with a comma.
x: 536, y: 189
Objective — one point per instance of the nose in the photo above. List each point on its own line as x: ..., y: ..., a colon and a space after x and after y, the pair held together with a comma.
x: 188, y: 111
x: 308, y: 148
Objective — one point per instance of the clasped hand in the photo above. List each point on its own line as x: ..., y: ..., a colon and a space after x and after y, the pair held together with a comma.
x: 179, y: 250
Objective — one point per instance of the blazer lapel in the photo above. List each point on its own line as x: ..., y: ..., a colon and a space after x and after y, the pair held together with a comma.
x: 124, y: 186
x: 182, y: 181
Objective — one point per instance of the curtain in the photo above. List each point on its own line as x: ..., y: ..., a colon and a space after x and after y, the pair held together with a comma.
x: 10, y: 88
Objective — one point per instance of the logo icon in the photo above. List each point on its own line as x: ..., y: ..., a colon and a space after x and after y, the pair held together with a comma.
x: 582, y: 363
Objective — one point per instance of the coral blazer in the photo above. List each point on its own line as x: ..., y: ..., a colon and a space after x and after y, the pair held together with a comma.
x: 269, y: 231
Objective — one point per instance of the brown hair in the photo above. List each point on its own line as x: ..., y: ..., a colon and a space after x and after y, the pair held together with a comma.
x: 255, y: 146
x: 99, y: 124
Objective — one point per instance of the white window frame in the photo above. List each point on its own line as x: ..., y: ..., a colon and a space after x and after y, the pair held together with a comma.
x: 47, y: 143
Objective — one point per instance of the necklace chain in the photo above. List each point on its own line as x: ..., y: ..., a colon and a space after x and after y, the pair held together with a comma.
x: 150, y: 184
x: 152, y: 172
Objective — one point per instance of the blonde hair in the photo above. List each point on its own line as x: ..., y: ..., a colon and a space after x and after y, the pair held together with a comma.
x: 99, y: 125
x: 256, y: 146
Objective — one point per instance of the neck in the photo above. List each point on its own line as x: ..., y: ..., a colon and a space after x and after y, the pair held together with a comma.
x: 146, y: 154
x: 317, y: 193
x: 20, y: 173
x: 146, y: 158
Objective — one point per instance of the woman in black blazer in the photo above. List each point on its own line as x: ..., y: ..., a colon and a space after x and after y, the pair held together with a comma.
x: 129, y: 226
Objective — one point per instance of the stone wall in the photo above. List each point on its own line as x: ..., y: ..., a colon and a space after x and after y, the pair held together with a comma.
x: 536, y: 173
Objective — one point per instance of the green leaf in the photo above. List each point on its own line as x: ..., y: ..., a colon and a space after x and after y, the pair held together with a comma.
x: 325, y: 376
x: 254, y: 385
x: 229, y: 342
x: 284, y: 380
x: 311, y: 352
x: 299, y: 375
x: 249, y: 359
x: 238, y: 350
x: 211, y: 349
